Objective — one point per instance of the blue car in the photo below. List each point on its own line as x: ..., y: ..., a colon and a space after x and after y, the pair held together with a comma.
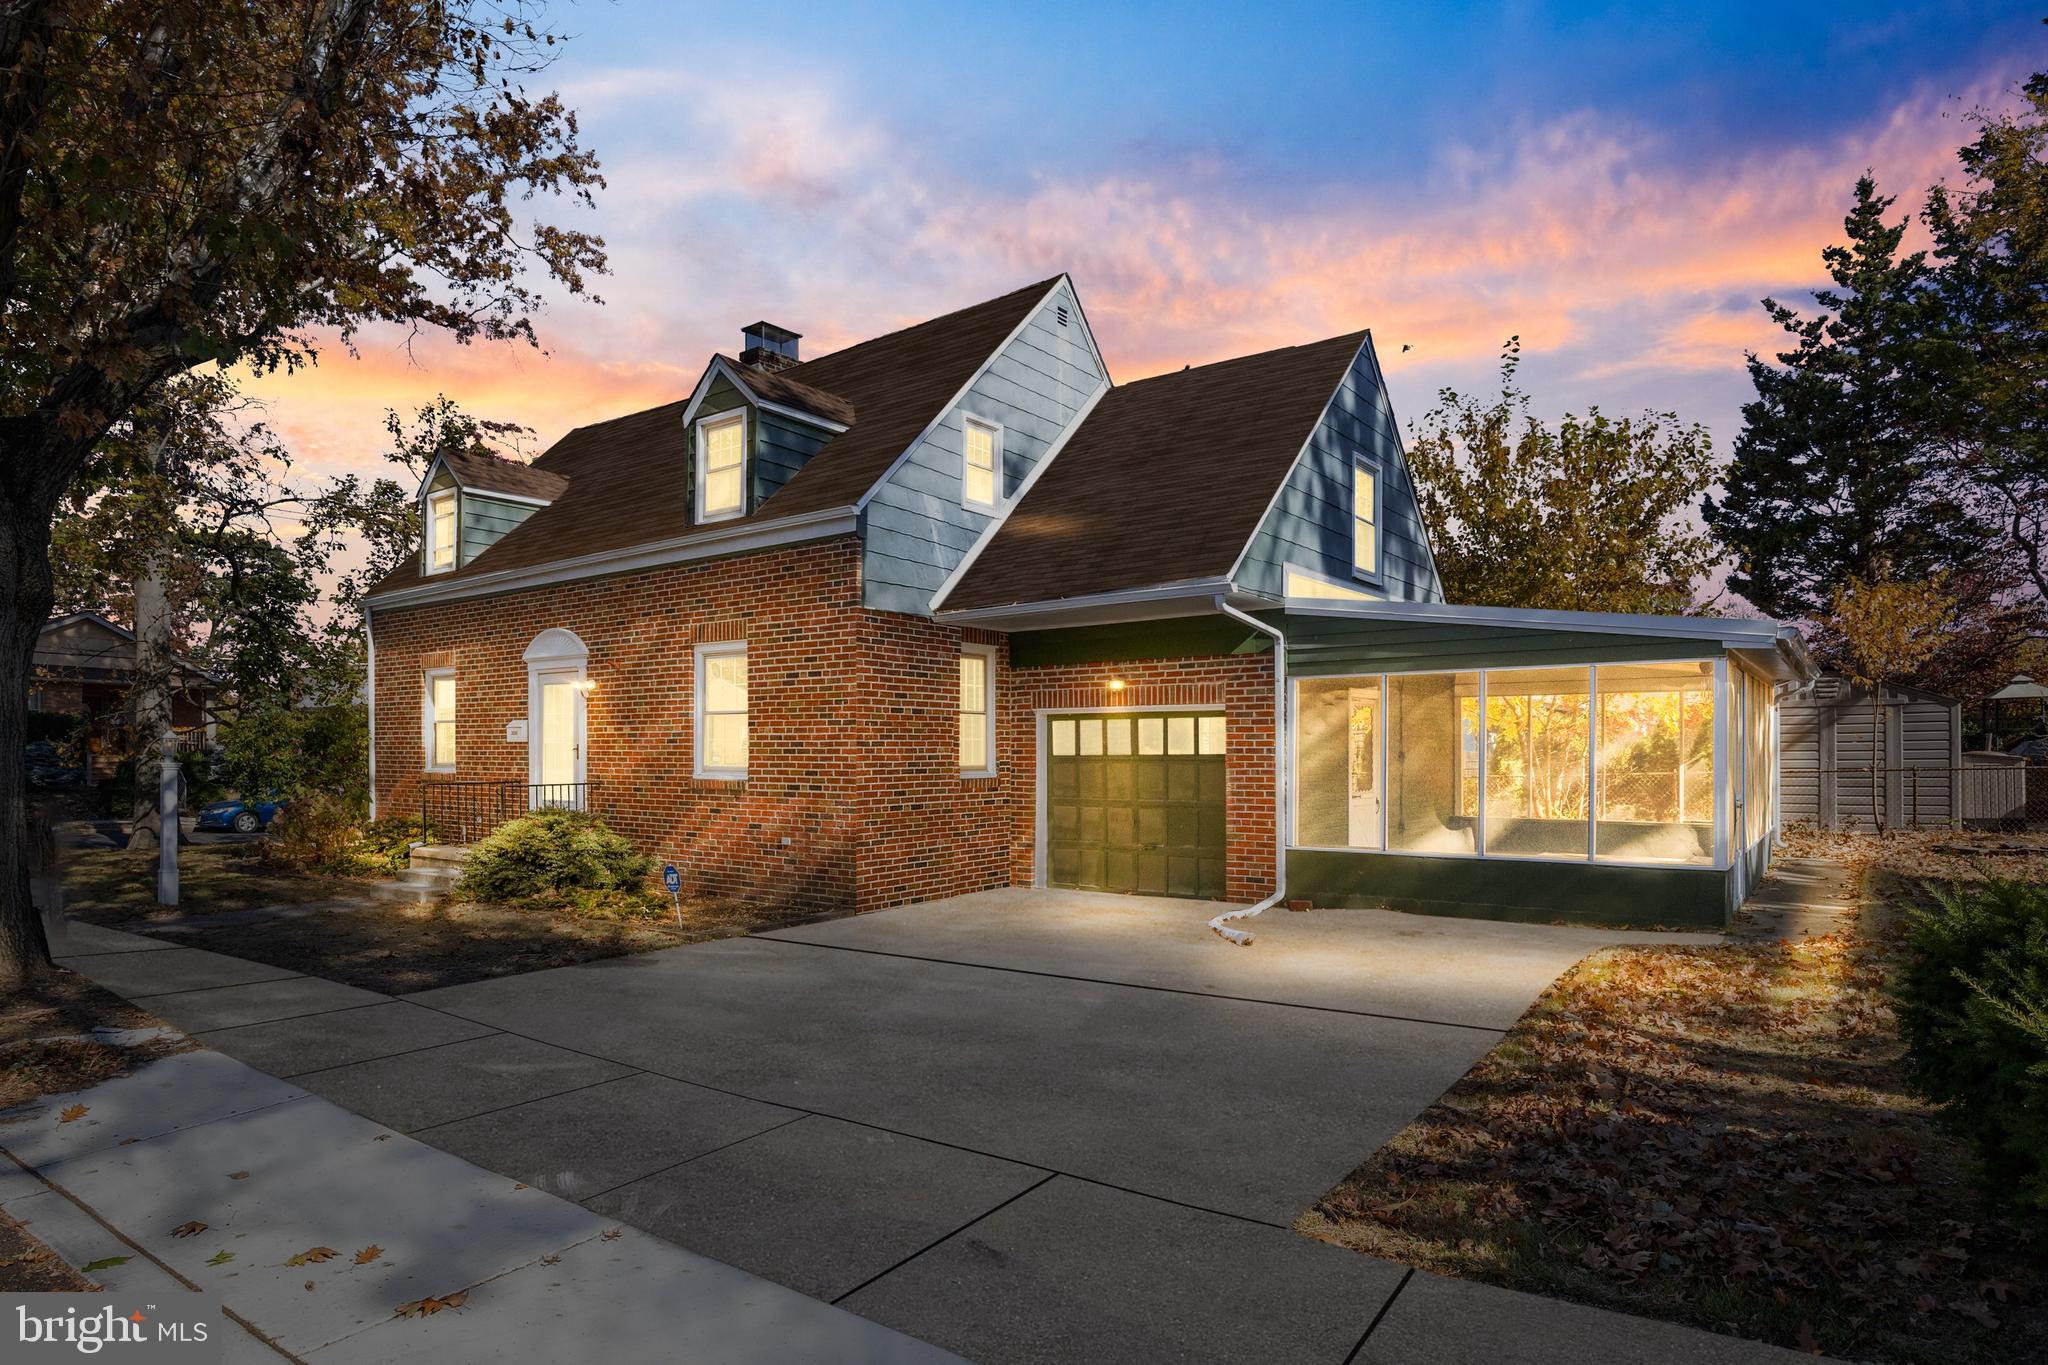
x: 243, y: 817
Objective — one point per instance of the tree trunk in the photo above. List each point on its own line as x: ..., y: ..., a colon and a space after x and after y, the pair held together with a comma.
x: 1877, y: 770
x: 25, y: 599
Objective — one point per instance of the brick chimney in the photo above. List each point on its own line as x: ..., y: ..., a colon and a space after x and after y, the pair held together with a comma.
x: 768, y: 347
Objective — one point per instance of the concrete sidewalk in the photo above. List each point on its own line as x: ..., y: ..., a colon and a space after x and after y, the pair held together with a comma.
x: 267, y: 1172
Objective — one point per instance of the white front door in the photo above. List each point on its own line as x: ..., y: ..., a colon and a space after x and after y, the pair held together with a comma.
x: 556, y: 747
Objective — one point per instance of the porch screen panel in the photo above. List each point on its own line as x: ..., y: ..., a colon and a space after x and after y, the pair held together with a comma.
x: 1655, y: 725
x: 1538, y: 731
x: 1757, y: 767
x: 1432, y: 776
x: 1337, y: 778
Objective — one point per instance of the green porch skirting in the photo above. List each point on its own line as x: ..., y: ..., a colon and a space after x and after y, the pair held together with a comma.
x: 1514, y: 889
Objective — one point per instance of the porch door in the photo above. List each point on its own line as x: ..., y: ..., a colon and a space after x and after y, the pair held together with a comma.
x: 557, y: 747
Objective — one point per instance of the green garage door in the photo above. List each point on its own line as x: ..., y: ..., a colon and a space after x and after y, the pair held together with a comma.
x: 1135, y: 803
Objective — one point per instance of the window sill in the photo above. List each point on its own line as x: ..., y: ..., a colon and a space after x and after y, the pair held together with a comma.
x: 979, y: 776
x: 726, y: 778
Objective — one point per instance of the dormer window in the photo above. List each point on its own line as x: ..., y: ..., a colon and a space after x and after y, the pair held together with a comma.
x: 441, y: 531
x: 980, y: 464
x: 722, y: 466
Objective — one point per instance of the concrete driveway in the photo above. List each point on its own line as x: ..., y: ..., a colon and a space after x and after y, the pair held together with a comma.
x: 1021, y: 1125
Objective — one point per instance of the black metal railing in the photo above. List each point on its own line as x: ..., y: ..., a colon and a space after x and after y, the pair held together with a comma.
x: 1994, y: 793
x: 461, y: 812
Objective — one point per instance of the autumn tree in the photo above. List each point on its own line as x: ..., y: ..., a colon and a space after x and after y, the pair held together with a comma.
x: 195, y: 181
x: 1588, y: 516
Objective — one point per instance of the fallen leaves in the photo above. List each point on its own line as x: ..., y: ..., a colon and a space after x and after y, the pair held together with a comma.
x: 611, y: 1235
x: 427, y: 1307
x: 238, y: 1175
x: 220, y: 1258
x: 106, y: 1264
x: 313, y: 1256
x: 369, y: 1254
x: 191, y: 1229
x: 1675, y: 1125
x: 73, y: 1113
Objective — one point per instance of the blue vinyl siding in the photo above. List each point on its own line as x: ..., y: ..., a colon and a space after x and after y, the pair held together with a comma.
x: 914, y: 532
x: 1309, y: 524
x: 483, y: 520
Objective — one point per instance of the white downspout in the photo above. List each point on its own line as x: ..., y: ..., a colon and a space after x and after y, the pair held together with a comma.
x: 1221, y: 924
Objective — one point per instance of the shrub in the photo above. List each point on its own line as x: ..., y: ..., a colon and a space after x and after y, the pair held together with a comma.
x: 316, y: 833
x: 386, y: 844
x: 1973, y: 1006
x: 551, y: 853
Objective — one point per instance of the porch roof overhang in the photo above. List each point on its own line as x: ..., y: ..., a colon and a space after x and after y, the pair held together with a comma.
x: 1770, y: 647
x: 1164, y: 601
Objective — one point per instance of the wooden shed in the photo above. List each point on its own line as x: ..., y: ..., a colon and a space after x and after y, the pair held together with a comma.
x: 1829, y: 742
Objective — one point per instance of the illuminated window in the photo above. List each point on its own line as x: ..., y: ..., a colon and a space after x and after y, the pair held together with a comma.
x: 722, y: 710
x: 1365, y: 519
x: 441, y: 532
x: 981, y: 464
x: 977, y: 710
x: 721, y: 466
x: 1656, y: 762
x: 1538, y: 729
x: 440, y: 720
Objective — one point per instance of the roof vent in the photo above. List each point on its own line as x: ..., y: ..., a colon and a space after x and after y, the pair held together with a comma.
x: 768, y: 347
x: 1063, y: 314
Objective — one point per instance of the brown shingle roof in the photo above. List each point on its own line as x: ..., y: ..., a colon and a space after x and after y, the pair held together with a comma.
x: 626, y: 476
x: 481, y: 472
x: 1165, y: 481
x: 772, y: 386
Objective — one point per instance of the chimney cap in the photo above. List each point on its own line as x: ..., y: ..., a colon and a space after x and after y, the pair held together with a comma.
x: 768, y: 334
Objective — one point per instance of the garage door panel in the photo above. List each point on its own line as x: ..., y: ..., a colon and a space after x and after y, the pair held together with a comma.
x: 1137, y: 804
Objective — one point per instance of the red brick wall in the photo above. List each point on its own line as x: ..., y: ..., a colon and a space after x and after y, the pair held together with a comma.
x: 785, y: 834
x: 853, y: 796
x: 1243, y: 684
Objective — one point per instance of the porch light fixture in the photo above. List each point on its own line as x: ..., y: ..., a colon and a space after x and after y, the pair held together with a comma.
x: 585, y: 685
x: 1116, y: 684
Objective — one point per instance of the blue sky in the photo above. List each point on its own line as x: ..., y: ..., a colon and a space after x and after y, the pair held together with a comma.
x: 1616, y: 184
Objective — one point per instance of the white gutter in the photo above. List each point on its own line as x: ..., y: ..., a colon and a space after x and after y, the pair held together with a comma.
x: 1221, y: 924
x: 703, y: 544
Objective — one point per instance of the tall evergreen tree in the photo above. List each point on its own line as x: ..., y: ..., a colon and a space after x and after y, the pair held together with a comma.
x: 1833, y: 475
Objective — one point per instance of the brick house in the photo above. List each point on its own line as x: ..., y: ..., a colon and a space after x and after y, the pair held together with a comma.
x: 948, y: 610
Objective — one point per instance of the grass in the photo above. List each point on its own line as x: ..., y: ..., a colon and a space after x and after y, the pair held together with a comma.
x: 117, y: 886
x: 394, y: 948
x: 1720, y: 1136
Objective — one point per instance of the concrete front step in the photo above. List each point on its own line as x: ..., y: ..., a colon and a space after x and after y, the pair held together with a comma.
x: 436, y: 865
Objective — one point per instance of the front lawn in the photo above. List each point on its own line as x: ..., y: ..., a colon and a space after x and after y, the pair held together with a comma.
x: 386, y: 946
x: 117, y: 886
x: 1715, y: 1135
x: 397, y: 949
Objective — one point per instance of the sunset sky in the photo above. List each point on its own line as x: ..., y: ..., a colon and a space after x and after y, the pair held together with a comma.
x: 1617, y: 184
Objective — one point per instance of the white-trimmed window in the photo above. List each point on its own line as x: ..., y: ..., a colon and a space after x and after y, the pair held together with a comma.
x: 977, y: 711
x: 722, y: 710
x: 722, y: 466
x: 981, y: 465
x: 1365, y: 519
x: 437, y: 720
x: 441, y: 531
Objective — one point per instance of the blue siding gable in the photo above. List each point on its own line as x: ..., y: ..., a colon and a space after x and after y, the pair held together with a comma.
x: 1309, y: 524
x: 914, y: 530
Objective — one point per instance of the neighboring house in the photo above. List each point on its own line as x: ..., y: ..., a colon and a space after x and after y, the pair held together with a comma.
x: 84, y: 666
x: 947, y: 610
